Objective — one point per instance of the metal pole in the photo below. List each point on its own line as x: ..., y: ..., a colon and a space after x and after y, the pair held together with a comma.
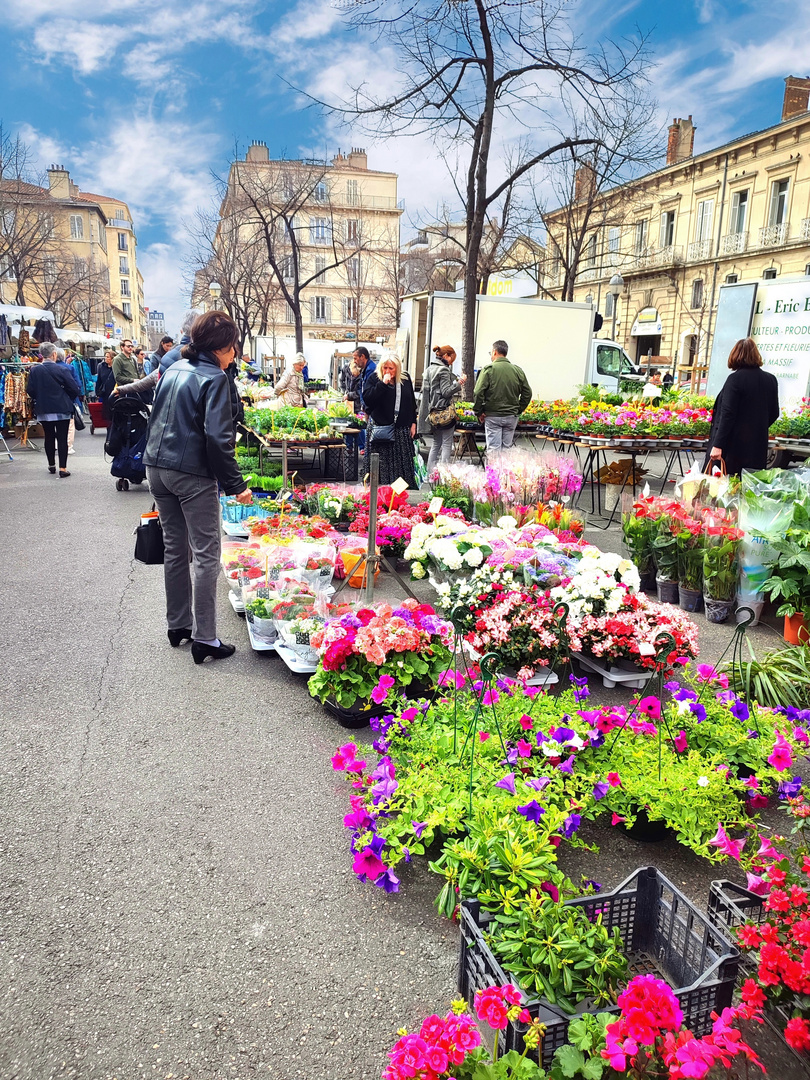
x: 283, y: 464
x: 371, y: 551
x: 613, y: 327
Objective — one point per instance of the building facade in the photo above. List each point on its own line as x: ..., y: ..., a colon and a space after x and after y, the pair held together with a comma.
x: 332, y: 229
x: 740, y: 212
x: 128, y: 317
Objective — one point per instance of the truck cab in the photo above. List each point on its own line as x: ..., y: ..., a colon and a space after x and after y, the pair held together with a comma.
x: 610, y: 365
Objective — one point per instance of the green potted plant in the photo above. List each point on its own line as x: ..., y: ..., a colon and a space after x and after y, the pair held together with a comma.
x: 790, y: 577
x: 665, y: 553
x: 689, y: 544
x: 720, y: 570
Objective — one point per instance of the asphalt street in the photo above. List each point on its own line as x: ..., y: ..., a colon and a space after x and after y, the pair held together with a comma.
x: 175, y: 883
x: 176, y: 893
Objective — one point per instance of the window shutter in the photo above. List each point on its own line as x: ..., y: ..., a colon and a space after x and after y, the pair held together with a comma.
x: 328, y: 309
x: 312, y: 309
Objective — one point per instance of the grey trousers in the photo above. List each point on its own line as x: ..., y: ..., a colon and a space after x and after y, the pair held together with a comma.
x: 500, y: 432
x: 442, y: 447
x: 190, y: 515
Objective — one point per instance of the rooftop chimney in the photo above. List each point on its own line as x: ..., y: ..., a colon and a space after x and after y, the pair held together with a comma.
x: 357, y: 158
x: 681, y: 141
x: 257, y: 151
x: 59, y: 182
x: 797, y: 96
x: 584, y: 182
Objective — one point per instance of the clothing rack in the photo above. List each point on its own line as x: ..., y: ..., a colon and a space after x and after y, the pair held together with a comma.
x: 16, y: 366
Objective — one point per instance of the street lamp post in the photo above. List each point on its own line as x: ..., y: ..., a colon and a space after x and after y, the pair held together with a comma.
x: 614, y: 288
x: 215, y: 290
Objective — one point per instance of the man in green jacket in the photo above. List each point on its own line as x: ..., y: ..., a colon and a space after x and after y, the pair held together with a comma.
x: 124, y: 367
x: 501, y: 395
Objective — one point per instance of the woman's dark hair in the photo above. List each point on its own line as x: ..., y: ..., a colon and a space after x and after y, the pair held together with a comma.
x: 209, y: 332
x: 744, y: 354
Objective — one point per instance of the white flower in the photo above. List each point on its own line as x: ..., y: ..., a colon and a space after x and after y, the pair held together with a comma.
x: 703, y: 781
x: 507, y: 522
x: 474, y: 557
x: 417, y: 571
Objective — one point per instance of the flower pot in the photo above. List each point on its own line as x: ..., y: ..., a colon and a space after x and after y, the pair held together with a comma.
x: 796, y: 630
x: 690, y: 599
x: 646, y: 831
x: 717, y: 611
x: 357, y: 715
x: 667, y: 591
x: 263, y: 628
x: 611, y: 496
x: 647, y: 582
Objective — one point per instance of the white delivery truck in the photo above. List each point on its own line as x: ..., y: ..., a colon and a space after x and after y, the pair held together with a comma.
x: 777, y: 317
x: 551, y: 340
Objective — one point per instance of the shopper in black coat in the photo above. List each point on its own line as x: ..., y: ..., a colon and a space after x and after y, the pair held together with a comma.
x: 744, y: 410
x: 379, y: 396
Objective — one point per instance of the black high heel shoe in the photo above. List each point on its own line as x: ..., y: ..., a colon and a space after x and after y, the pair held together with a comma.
x: 177, y: 637
x: 202, y: 652
x: 51, y: 469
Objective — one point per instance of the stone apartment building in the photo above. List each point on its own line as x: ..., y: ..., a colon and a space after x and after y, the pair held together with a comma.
x: 333, y: 224
x: 126, y: 280
x: 738, y: 212
x: 74, y: 254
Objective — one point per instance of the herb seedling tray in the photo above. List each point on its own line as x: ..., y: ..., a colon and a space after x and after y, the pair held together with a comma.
x: 730, y: 906
x: 663, y: 933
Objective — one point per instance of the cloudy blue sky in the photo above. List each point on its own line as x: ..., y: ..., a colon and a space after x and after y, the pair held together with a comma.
x: 145, y: 99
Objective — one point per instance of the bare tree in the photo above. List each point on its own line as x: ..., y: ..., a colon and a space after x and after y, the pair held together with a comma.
x: 27, y: 235
x: 474, y: 72
x: 286, y: 206
x: 223, y: 250
x: 592, y: 196
x: 75, y: 289
x: 372, y: 282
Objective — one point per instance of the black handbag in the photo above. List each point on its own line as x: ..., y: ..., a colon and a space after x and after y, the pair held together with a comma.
x: 149, y: 542
x: 78, y: 419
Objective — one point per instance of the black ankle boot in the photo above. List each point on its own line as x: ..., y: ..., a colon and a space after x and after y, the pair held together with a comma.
x: 177, y: 637
x: 202, y: 652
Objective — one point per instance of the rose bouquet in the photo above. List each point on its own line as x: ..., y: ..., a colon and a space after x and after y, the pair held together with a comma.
x: 405, y: 644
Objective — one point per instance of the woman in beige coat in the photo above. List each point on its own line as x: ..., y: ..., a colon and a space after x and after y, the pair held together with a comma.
x: 290, y: 387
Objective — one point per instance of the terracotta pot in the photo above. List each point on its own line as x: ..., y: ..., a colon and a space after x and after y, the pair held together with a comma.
x: 796, y: 630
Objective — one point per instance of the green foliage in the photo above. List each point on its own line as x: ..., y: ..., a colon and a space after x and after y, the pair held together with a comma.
x: 781, y: 677
x: 556, y: 952
x: 581, y: 1058
x: 790, y: 577
x: 289, y: 420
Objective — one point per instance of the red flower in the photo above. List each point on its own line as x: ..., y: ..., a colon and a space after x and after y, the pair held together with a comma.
x: 752, y: 995
x: 797, y: 1033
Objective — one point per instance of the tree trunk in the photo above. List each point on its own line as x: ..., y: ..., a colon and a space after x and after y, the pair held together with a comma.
x: 299, y: 328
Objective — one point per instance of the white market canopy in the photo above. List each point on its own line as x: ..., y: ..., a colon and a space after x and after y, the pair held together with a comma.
x: 15, y: 312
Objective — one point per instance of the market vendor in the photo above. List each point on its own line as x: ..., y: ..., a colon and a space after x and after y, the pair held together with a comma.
x: 290, y: 387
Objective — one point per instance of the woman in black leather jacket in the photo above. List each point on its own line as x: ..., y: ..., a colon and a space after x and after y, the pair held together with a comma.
x: 189, y: 454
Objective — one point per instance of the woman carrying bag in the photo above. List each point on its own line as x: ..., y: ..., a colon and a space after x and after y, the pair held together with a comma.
x: 437, y: 410
x: 744, y: 410
x: 391, y: 404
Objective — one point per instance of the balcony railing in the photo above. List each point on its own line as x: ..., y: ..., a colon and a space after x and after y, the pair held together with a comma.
x: 805, y: 228
x: 671, y: 255
x: 120, y: 223
x: 774, y: 235
x: 734, y: 243
x: 699, y: 250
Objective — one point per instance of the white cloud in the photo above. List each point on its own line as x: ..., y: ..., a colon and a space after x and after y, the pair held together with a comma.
x: 86, y: 45
x: 164, y: 285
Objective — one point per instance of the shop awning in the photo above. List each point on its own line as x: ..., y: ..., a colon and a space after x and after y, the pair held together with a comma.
x: 647, y: 324
x: 13, y: 311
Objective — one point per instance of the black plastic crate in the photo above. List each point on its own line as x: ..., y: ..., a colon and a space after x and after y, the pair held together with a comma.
x: 730, y: 906
x: 663, y: 933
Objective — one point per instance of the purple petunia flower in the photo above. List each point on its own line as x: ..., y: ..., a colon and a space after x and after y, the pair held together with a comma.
x: 418, y: 828
x: 596, y: 740
x: 512, y: 756
x: 568, y: 765
x: 384, y: 789
x: 684, y: 694
x: 600, y: 790
x: 789, y: 789
x: 698, y: 711
x: 532, y: 811
x: 740, y: 711
x: 595, y: 885
x: 571, y: 824
x: 388, y: 881
x: 507, y: 783
x: 538, y: 783
x: 563, y: 734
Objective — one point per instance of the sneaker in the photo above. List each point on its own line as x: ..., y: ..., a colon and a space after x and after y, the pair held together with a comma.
x: 71, y: 450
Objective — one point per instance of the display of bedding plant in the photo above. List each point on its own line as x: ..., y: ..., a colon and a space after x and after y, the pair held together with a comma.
x: 287, y: 422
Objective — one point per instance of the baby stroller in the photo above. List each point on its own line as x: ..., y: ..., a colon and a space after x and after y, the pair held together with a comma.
x: 126, y: 441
